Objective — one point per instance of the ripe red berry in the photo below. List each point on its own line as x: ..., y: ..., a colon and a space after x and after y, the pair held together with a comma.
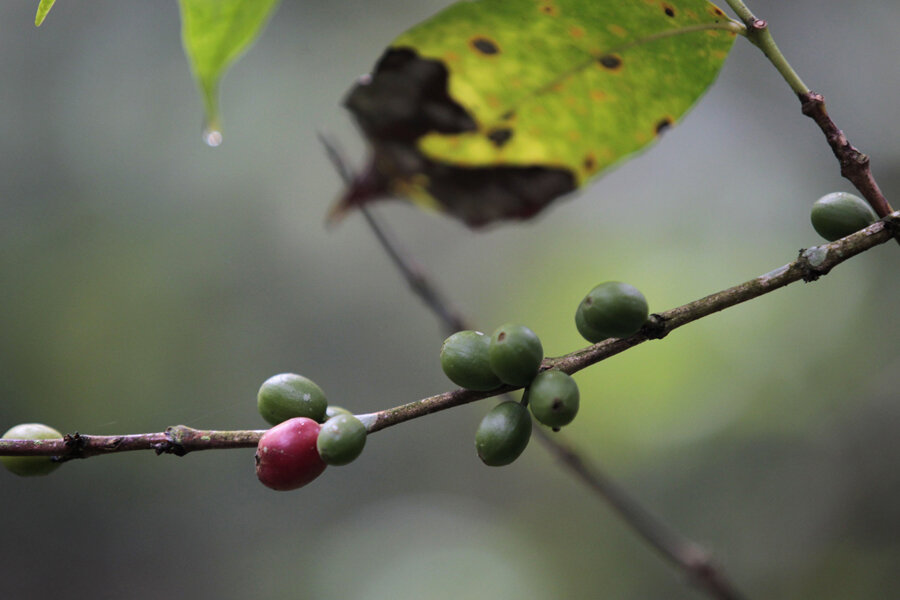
x: 286, y: 457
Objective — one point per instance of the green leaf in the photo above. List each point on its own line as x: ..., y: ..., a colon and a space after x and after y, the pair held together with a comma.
x: 575, y: 84
x: 43, y: 8
x: 215, y: 33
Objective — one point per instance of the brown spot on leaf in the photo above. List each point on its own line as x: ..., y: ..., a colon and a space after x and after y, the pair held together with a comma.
x: 549, y: 9
x: 499, y: 137
x: 484, y: 45
x: 663, y: 124
x: 610, y: 61
x: 576, y: 32
x: 716, y: 11
x: 589, y: 163
x: 508, y: 115
x: 669, y: 10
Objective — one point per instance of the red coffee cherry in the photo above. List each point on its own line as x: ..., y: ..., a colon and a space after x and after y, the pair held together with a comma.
x: 286, y: 457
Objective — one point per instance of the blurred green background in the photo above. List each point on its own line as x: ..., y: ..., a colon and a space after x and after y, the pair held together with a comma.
x: 147, y: 280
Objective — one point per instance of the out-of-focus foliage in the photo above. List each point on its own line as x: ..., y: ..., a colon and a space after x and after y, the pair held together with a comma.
x: 148, y: 280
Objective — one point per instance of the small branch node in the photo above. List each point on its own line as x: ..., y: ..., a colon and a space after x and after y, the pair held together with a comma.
x: 892, y: 223
x: 75, y: 444
x: 810, y: 260
x: 655, y: 327
x: 174, y: 438
x: 812, y: 103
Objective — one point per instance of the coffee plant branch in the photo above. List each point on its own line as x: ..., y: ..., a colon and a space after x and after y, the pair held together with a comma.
x: 811, y: 264
x: 854, y: 164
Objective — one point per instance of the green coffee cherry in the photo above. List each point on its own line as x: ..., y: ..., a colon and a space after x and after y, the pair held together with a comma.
x: 839, y: 214
x: 515, y: 354
x: 586, y: 331
x: 287, y: 396
x: 464, y: 359
x: 503, y: 434
x: 341, y: 439
x: 553, y: 397
x: 27, y: 466
x: 615, y: 309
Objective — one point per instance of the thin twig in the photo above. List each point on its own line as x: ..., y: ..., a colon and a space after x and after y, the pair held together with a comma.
x: 854, y: 164
x: 676, y: 549
x: 411, y: 270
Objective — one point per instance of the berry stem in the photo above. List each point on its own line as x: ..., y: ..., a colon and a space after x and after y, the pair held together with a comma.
x: 681, y: 552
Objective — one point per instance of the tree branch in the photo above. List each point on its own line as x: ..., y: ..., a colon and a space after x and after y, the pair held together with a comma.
x: 811, y: 264
x: 854, y: 164
x: 681, y: 552
x: 177, y: 440
x: 411, y: 270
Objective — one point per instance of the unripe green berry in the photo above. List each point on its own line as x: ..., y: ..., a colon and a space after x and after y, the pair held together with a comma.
x: 503, y: 434
x: 465, y: 360
x: 27, y: 466
x: 586, y: 331
x: 839, y: 214
x: 615, y: 309
x: 341, y: 439
x: 515, y: 354
x: 286, y: 396
x: 553, y: 397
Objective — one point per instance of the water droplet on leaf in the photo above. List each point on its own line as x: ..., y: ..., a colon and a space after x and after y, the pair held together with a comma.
x: 212, y: 137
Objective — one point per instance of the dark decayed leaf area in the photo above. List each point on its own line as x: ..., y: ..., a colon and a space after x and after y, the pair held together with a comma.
x: 491, y: 110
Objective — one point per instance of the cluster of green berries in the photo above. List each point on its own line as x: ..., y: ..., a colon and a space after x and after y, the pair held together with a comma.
x: 839, y: 214
x: 27, y: 466
x: 511, y: 355
x: 308, y: 435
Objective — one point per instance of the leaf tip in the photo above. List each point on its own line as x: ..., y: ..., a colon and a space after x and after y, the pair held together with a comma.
x: 42, y: 11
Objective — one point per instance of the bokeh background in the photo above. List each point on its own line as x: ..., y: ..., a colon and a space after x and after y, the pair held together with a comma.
x: 148, y: 280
